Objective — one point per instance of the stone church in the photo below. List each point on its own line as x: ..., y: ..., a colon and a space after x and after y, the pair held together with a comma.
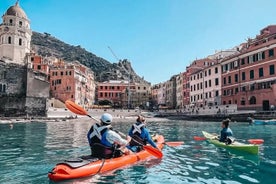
x: 23, y: 91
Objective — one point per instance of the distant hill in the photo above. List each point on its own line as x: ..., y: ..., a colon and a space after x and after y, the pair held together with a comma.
x: 46, y: 45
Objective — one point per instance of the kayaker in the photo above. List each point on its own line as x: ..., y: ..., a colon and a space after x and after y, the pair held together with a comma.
x: 138, y: 135
x: 103, y: 141
x: 226, y: 132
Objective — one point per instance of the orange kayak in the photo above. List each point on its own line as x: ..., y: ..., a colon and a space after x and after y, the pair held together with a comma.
x: 83, y: 167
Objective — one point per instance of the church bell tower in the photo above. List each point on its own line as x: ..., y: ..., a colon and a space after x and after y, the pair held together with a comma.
x: 15, y: 35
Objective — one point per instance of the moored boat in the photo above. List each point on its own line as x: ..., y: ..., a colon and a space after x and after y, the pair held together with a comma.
x: 263, y: 122
x: 84, y: 167
x: 238, y: 146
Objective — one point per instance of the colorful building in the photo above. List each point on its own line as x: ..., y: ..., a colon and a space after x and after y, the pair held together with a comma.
x: 249, y: 78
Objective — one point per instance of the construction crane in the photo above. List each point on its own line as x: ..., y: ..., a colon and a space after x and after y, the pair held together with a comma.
x: 113, y: 53
x: 128, y: 99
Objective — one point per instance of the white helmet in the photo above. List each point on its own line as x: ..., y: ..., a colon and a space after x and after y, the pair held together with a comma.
x: 106, y: 118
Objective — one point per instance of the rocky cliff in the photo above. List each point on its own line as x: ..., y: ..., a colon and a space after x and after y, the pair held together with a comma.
x: 46, y: 45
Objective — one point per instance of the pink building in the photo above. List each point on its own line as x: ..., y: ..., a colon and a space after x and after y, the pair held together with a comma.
x: 249, y: 78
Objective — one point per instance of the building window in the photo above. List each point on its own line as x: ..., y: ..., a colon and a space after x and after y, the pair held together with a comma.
x: 242, y: 101
x: 236, y: 90
x: 229, y: 79
x: 2, y: 88
x: 20, y: 23
x: 216, y: 70
x: 243, y: 75
x: 271, y: 53
x: 271, y: 70
x: 236, y: 78
x: 251, y: 74
x: 252, y: 87
x: 20, y: 41
x: 10, y: 21
x: 252, y: 100
x: 209, y: 71
x: 224, y: 80
x: 216, y: 81
x: 9, y: 40
x: 38, y: 67
x: 61, y: 73
x: 217, y: 93
x: 210, y: 83
x: 261, y: 72
x: 242, y: 61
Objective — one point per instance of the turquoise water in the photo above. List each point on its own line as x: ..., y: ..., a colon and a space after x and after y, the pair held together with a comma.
x: 29, y: 150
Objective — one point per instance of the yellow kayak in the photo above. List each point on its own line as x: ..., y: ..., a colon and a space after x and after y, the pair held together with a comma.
x: 238, y: 146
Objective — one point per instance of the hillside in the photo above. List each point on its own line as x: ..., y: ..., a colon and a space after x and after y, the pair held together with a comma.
x: 46, y: 45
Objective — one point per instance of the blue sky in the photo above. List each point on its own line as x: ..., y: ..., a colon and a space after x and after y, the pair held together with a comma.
x: 159, y: 37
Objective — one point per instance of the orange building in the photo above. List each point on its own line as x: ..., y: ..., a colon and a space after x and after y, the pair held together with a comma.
x: 72, y: 81
x: 249, y: 78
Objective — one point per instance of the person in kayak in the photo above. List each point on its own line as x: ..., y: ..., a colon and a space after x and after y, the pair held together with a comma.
x: 226, y: 133
x: 138, y: 135
x: 103, y: 141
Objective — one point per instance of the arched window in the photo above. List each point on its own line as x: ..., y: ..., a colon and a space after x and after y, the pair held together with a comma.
x: 252, y: 100
x: 20, y: 41
x: 9, y: 40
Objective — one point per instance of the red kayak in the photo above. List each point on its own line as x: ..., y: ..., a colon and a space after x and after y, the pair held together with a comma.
x: 84, y: 167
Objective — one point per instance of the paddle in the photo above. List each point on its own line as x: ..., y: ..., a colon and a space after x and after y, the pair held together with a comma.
x: 173, y: 144
x: 81, y: 111
x: 252, y: 141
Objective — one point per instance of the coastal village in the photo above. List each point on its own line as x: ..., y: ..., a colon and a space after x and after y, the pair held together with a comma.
x: 73, y: 120
x: 240, y: 79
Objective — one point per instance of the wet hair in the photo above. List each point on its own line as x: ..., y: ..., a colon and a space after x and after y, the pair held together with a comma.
x: 226, y: 122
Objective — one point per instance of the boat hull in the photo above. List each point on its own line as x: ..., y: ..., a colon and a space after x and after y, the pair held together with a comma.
x: 237, y: 146
x: 89, y: 167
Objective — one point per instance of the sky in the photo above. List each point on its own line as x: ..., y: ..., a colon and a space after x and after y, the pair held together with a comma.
x: 159, y: 37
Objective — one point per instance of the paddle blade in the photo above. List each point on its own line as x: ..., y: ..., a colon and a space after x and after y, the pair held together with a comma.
x: 75, y: 108
x: 256, y: 141
x: 174, y: 144
x: 153, y: 151
x: 197, y: 138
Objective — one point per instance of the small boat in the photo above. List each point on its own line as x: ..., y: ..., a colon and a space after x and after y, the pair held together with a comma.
x: 237, y: 146
x: 263, y: 122
x: 89, y: 166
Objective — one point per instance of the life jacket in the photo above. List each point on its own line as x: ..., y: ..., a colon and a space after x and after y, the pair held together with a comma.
x: 96, y: 132
x: 137, y: 129
x: 97, y: 148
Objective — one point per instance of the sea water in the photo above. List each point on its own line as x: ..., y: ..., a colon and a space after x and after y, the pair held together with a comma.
x: 29, y: 150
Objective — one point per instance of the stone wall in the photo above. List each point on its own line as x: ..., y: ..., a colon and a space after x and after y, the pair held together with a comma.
x: 13, y: 97
x: 25, y: 93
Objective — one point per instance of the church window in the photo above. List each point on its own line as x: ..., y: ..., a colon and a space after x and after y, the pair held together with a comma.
x: 20, y: 41
x: 10, y: 21
x: 9, y: 40
x: 20, y: 23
